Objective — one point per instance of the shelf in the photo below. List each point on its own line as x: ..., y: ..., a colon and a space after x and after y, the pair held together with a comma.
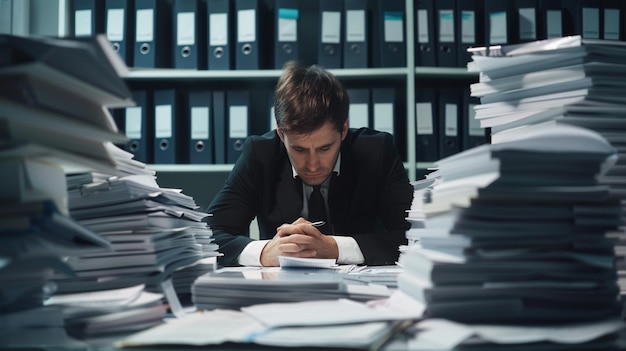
x: 186, y: 168
x: 444, y: 72
x: 189, y: 74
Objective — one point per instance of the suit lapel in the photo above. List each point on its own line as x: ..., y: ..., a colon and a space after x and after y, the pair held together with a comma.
x: 288, y: 194
x: 340, y: 193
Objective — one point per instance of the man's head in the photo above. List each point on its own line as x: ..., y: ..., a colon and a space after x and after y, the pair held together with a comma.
x: 311, y: 110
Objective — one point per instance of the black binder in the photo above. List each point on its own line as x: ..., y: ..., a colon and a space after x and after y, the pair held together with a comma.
x: 200, y: 146
x: 220, y: 38
x: 446, y: 35
x: 330, y: 45
x: 166, y: 127
x: 550, y: 19
x: 449, y: 122
x: 498, y: 22
x: 138, y: 126
x: 582, y: 17
x: 472, y: 133
x: 612, y: 19
x: 250, y: 48
x: 219, y: 126
x: 189, y: 40
x: 359, y: 113
x: 356, y: 43
x: 88, y: 18
x: 238, y: 123
x: 426, y: 125
x: 425, y: 45
x: 120, y: 27
x: 383, y: 110
x: 471, y: 28
x: 153, y: 34
x: 589, y: 18
x: 525, y: 21
x: 286, y: 31
x: 388, y: 43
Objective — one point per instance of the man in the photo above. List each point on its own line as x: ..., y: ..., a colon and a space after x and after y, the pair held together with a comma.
x: 365, y: 189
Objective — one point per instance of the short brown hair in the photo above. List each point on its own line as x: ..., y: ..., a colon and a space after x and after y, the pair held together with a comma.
x: 307, y: 97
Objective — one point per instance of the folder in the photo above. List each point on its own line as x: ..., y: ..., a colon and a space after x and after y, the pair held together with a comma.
x: 238, y: 102
x: 359, y: 113
x: 446, y: 36
x: 388, y: 43
x: 471, y: 28
x: 525, y: 21
x: 589, y: 18
x: 138, y: 126
x: 612, y: 18
x: 356, y: 34
x: 88, y: 17
x: 189, y: 41
x: 165, y: 126
x: 250, y: 49
x: 582, y: 17
x: 383, y: 109
x: 200, y: 132
x: 472, y: 133
x: 426, y: 125
x: 425, y: 46
x: 261, y: 100
x: 330, y: 46
x: 219, y: 127
x: 449, y: 118
x: 219, y: 25
x: 497, y: 22
x: 550, y: 19
x: 286, y: 28
x: 120, y: 27
x: 153, y: 34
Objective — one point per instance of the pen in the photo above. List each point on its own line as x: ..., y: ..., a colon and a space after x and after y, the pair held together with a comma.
x: 318, y: 223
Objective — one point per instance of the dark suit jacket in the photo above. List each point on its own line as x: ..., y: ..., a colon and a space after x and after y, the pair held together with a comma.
x: 367, y: 200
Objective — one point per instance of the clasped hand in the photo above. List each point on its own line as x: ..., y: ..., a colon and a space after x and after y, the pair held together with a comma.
x: 298, y: 239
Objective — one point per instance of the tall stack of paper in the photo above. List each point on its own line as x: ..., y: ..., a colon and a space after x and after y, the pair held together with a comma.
x: 114, y: 229
x: 154, y: 232
x: 52, y: 122
x: 571, y: 80
x: 521, y: 233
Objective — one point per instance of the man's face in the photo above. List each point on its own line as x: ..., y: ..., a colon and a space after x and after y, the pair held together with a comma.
x: 314, y: 155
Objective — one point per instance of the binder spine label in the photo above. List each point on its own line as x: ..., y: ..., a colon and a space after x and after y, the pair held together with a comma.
x: 331, y: 27
x: 144, y: 30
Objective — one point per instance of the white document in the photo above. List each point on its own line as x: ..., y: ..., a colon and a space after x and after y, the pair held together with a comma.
x: 325, y: 312
x: 301, y: 262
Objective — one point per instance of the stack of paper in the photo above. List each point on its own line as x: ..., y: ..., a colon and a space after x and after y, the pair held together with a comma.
x: 571, y: 80
x: 233, y: 288
x: 107, y: 312
x: 52, y: 94
x: 415, y: 215
x: 521, y: 233
x: 154, y: 232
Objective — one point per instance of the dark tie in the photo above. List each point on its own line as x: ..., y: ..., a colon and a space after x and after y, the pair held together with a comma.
x: 317, y: 208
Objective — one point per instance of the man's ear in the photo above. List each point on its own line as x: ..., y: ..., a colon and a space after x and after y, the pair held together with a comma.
x: 344, y: 130
x: 280, y: 134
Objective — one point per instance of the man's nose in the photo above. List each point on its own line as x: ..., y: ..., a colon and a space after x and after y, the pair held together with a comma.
x: 313, y: 161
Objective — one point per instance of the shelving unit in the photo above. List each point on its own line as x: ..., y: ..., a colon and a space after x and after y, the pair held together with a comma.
x: 409, y: 78
x: 411, y: 75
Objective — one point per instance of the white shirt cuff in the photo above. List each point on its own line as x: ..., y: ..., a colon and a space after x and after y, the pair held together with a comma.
x: 251, y: 254
x: 349, y: 250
